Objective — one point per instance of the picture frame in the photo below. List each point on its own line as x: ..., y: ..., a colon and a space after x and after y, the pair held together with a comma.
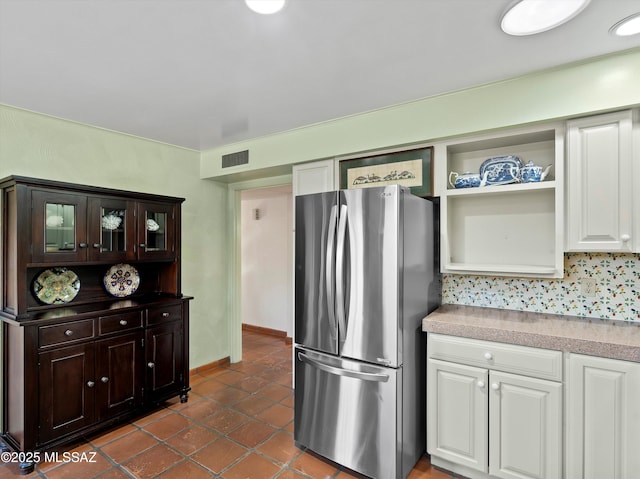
x: 412, y: 168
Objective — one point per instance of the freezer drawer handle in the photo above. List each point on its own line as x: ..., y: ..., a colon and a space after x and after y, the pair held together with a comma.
x: 381, y: 378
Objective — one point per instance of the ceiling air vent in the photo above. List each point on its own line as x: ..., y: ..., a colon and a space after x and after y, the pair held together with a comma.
x: 235, y: 159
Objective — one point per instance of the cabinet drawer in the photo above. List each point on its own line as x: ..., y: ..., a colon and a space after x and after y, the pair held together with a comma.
x: 119, y: 322
x: 65, y: 332
x: 163, y: 314
x: 528, y: 361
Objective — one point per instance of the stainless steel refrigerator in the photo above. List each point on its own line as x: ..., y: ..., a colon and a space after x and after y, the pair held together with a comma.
x: 366, y: 274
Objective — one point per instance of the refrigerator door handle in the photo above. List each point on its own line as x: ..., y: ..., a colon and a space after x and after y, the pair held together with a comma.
x: 329, y: 267
x: 340, y: 299
x: 380, y: 378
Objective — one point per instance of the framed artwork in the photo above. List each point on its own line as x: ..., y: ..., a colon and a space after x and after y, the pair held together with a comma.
x: 410, y: 168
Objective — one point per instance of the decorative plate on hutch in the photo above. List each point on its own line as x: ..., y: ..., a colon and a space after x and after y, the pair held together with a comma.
x: 56, y: 286
x: 121, y: 280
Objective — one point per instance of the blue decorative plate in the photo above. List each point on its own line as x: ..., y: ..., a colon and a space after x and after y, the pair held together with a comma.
x: 501, y: 170
x: 121, y: 280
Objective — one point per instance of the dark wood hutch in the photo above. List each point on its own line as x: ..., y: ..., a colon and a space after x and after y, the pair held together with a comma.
x: 79, y: 356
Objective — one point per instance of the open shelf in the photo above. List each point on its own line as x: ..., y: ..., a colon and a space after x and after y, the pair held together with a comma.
x: 507, y: 230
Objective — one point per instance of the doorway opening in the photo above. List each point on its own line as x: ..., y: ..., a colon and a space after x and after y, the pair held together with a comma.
x: 234, y: 238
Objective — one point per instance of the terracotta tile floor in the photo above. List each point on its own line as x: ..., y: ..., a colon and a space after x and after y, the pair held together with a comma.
x: 238, y: 424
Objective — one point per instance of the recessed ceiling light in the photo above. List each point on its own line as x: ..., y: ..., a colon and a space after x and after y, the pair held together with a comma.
x: 627, y: 26
x: 527, y: 17
x: 265, y: 7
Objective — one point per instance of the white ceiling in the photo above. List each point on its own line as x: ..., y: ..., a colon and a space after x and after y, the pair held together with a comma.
x: 203, y: 73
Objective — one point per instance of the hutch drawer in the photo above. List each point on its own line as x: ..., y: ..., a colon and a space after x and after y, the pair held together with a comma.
x: 68, y: 332
x: 165, y: 313
x: 119, y: 322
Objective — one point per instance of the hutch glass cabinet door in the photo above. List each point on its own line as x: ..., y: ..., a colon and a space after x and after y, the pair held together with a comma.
x: 59, y: 227
x: 156, y: 231
x: 111, y: 229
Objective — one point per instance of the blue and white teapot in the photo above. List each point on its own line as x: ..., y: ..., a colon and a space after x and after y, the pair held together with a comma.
x: 532, y: 173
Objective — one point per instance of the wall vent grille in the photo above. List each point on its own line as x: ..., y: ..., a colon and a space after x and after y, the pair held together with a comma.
x: 235, y: 159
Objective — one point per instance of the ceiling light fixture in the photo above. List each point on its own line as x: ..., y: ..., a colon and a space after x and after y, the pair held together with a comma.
x: 266, y: 7
x: 627, y: 26
x: 528, y: 17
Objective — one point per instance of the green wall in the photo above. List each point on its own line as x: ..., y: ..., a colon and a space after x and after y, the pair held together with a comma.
x: 604, y: 83
x: 44, y: 147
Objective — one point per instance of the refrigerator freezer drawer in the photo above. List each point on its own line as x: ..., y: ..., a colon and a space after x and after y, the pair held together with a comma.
x: 349, y: 411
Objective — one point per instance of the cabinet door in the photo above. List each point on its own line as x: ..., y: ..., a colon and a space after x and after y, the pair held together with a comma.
x: 119, y: 375
x: 156, y: 231
x: 111, y: 229
x: 67, y: 391
x: 599, y: 186
x: 603, y: 418
x: 59, y: 225
x: 164, y: 359
x: 525, y: 427
x: 457, y: 413
x: 314, y: 177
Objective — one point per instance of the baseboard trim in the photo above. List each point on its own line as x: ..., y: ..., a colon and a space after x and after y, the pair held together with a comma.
x: 209, y: 366
x: 268, y: 332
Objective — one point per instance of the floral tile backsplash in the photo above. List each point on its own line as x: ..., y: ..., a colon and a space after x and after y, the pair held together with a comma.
x: 617, y: 289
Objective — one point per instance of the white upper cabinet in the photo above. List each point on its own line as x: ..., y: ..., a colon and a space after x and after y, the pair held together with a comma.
x: 600, y: 180
x: 314, y: 177
x: 504, y: 228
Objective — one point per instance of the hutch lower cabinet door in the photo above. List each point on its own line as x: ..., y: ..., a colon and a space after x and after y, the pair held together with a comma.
x: 164, y: 359
x: 119, y: 378
x: 67, y: 391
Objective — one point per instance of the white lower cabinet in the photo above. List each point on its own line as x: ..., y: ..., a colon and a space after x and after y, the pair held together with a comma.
x: 525, y: 427
x: 603, y: 418
x: 487, y: 421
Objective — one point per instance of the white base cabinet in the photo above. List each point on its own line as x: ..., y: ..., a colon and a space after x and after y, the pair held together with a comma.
x: 603, y: 418
x: 493, y: 421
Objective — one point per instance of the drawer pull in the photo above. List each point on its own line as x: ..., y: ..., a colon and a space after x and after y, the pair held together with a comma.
x: 104, y: 379
x: 480, y: 384
x: 68, y: 332
x: 123, y: 322
x: 151, y: 365
x: 625, y: 238
x: 495, y: 386
x: 90, y: 384
x: 165, y: 315
x: 488, y: 356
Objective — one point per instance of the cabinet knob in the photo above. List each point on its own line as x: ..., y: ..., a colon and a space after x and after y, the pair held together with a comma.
x: 495, y: 386
x: 90, y: 384
x: 625, y: 238
x: 488, y: 356
x: 68, y: 332
x: 143, y: 245
x: 97, y: 245
x: 165, y: 315
x: 151, y: 365
x: 480, y: 384
x: 123, y: 322
x: 104, y: 379
x: 83, y: 245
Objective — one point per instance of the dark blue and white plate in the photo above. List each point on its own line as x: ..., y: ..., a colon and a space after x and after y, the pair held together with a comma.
x: 501, y: 170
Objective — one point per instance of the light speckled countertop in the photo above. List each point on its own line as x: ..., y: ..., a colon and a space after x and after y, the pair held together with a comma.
x: 596, y: 337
